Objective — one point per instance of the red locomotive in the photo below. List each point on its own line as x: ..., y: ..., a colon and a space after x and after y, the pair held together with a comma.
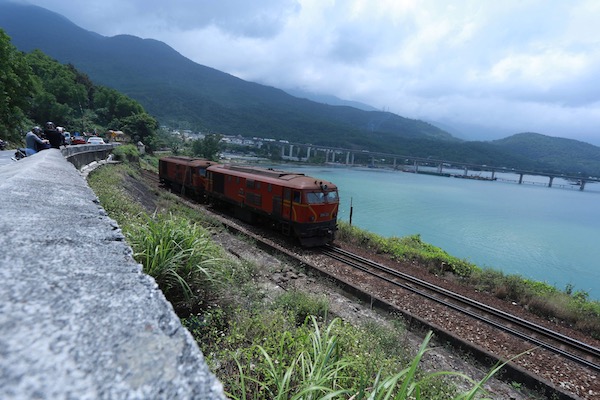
x: 296, y: 204
x: 185, y: 175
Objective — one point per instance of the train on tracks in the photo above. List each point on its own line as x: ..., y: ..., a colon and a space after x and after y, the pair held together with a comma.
x: 293, y: 203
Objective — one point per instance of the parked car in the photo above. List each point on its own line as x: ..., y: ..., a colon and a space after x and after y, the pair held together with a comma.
x: 67, y: 136
x: 95, y: 140
x: 78, y: 139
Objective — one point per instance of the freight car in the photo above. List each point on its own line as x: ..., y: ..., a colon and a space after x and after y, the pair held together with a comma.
x: 296, y: 204
x: 185, y: 175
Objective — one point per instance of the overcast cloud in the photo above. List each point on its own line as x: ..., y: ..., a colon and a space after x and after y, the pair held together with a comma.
x: 488, y: 68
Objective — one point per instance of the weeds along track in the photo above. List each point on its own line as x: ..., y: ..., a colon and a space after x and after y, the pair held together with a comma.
x: 539, y: 358
x: 551, y: 363
x: 540, y: 336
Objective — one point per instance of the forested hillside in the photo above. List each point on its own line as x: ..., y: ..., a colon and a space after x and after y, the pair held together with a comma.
x: 582, y: 158
x: 36, y: 89
x: 183, y: 94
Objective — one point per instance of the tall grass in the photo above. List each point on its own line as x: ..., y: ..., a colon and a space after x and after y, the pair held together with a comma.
x: 324, y: 371
x: 572, y: 307
x: 311, y: 375
x: 107, y: 183
x: 172, y: 246
x: 261, y: 352
x: 177, y: 253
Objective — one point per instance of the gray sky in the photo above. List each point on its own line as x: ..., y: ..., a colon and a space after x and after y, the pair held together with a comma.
x: 490, y: 68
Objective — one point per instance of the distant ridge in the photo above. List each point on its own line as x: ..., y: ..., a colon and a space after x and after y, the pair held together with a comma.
x: 553, y: 151
x: 179, y: 91
x: 184, y: 94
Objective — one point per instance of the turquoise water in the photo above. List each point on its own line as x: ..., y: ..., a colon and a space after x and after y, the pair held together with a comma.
x: 546, y: 234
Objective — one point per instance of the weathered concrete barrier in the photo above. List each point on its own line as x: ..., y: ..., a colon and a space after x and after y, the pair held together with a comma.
x: 78, y: 318
x: 85, y: 154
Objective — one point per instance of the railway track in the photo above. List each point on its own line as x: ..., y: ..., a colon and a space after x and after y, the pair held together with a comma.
x: 569, y: 348
x: 151, y: 176
x: 562, y: 346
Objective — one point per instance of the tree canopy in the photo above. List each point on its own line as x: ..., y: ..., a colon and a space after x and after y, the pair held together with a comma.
x: 208, y: 147
x: 35, y: 89
x: 16, y: 88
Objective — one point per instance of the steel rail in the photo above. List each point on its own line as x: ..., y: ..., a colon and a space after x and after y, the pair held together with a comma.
x: 534, y: 382
x: 590, y: 351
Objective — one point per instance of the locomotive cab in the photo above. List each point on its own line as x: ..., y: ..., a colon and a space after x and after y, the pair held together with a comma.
x: 314, y: 216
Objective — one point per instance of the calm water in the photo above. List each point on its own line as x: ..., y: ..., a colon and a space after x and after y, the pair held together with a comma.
x: 546, y: 234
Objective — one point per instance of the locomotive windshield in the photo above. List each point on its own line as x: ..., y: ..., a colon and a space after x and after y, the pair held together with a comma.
x: 322, y: 197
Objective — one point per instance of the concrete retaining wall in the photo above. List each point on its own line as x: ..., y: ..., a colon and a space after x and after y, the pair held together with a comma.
x: 85, y: 154
x: 78, y: 318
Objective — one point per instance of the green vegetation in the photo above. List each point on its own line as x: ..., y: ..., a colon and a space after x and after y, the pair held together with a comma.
x: 301, y: 306
x: 262, y: 353
x: 317, y: 367
x: 126, y: 152
x: 207, y: 148
x: 555, y: 153
x: 35, y: 88
x: 409, y: 248
x: 159, y: 78
x: 115, y: 200
x: 171, y: 244
x: 573, y: 307
x: 15, y: 84
x: 288, y: 347
x: 177, y: 253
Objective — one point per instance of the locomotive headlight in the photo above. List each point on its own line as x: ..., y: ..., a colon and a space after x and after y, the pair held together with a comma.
x: 312, y: 218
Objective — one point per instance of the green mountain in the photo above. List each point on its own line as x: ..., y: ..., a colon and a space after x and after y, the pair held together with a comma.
x: 177, y: 90
x: 582, y: 158
x: 184, y: 94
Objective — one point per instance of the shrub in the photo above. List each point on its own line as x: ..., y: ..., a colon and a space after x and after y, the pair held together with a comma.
x: 410, y: 248
x: 127, y: 152
x: 177, y: 253
x: 574, y: 307
x: 301, y: 305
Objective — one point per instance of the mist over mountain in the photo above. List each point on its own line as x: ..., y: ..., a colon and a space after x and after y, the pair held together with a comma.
x: 180, y: 92
x: 331, y: 100
x: 184, y: 94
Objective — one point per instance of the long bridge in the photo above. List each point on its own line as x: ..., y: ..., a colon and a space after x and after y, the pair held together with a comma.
x: 304, y: 152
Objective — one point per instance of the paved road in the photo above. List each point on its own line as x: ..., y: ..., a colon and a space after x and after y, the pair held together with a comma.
x: 5, y: 156
x: 78, y: 318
